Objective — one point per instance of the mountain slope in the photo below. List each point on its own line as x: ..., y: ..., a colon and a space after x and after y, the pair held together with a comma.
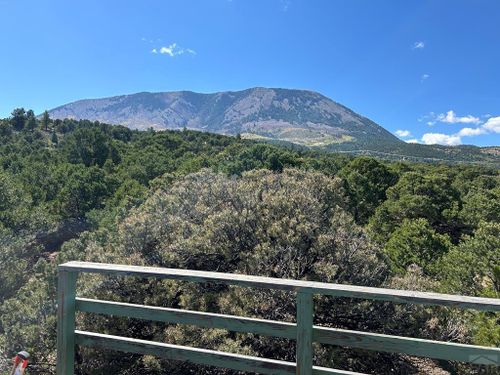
x: 286, y: 116
x: 297, y: 116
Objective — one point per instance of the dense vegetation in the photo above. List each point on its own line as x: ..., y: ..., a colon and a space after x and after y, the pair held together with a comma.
x: 79, y: 190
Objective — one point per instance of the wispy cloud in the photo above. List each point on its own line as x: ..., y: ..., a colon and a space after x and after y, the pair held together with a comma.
x: 414, y: 140
x: 419, y: 45
x: 285, y: 4
x: 424, y: 77
x: 449, y: 117
x: 403, y: 133
x: 173, y: 50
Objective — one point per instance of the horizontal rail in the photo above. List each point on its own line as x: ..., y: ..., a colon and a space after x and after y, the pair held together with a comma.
x: 201, y: 319
x: 449, y: 351
x: 333, y: 336
x: 336, y: 290
x: 197, y: 356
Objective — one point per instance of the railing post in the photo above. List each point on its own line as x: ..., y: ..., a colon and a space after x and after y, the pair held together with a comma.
x: 304, y: 333
x: 66, y: 293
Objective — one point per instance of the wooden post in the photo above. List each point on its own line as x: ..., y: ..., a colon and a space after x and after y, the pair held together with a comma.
x: 304, y: 333
x: 66, y: 293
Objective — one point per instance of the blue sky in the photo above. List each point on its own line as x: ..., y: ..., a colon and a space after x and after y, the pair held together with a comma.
x: 426, y: 70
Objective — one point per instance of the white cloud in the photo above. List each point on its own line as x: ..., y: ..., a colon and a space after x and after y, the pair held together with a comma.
x: 403, y: 133
x: 173, y: 50
x: 414, y: 140
x: 469, y: 132
x: 418, y: 45
x: 492, y: 125
x: 451, y: 118
x: 424, y: 77
x: 441, y: 139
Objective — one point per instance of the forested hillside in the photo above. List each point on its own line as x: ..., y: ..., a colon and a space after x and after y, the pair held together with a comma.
x: 298, y: 117
x: 81, y: 190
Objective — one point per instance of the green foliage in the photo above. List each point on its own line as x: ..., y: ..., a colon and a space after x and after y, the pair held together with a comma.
x: 87, y: 146
x: 18, y: 119
x: 54, y: 139
x: 88, y: 191
x: 416, y: 242
x: 366, y: 180
x: 416, y: 195
x: 473, y: 266
x: 290, y: 225
x: 487, y: 330
x: 45, y: 121
x: 83, y: 189
x: 14, y: 203
x: 31, y: 122
x: 481, y: 205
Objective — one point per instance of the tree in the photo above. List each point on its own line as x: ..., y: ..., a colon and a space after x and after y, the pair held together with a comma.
x: 87, y: 145
x: 481, y: 205
x: 415, y: 242
x: 292, y: 224
x: 417, y: 195
x: 31, y: 122
x: 54, y: 139
x: 5, y: 129
x: 83, y: 189
x: 45, y: 120
x: 473, y: 267
x: 18, y: 119
x: 366, y: 182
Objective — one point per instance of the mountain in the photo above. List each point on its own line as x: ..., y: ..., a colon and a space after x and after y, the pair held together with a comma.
x: 296, y: 116
x: 300, y: 117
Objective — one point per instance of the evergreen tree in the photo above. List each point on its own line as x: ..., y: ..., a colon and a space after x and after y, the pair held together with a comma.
x: 30, y: 121
x: 45, y: 120
x: 54, y: 139
x: 18, y: 119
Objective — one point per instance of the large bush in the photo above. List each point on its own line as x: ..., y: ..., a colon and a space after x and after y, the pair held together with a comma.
x: 288, y: 225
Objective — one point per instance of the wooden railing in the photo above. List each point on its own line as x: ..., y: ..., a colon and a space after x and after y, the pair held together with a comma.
x: 304, y: 332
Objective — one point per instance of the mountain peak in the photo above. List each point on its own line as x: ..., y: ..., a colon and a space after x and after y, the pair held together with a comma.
x: 299, y: 116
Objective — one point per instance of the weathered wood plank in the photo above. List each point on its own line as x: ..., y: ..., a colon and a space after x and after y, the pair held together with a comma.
x: 332, y: 336
x: 305, y: 311
x: 337, y: 290
x: 195, y: 355
x: 66, y: 291
x: 412, y: 346
x: 201, y: 319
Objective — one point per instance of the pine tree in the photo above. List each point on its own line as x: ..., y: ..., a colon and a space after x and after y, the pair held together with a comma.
x: 30, y: 120
x: 45, y: 120
x: 18, y: 119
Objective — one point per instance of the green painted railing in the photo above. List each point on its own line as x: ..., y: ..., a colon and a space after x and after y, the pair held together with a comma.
x: 304, y: 332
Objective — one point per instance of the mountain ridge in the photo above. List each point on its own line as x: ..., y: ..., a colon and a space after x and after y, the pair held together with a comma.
x: 295, y: 116
x: 298, y: 116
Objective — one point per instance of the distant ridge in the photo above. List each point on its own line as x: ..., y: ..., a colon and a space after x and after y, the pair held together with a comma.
x: 297, y: 116
x: 300, y: 117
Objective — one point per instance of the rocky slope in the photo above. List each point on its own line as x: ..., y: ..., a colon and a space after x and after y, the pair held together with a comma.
x: 286, y: 116
x: 297, y: 116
